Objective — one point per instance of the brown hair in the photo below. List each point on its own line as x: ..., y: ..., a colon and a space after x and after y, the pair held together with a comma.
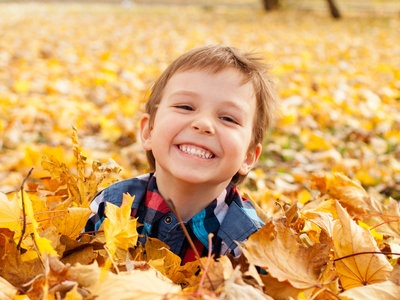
x: 215, y: 59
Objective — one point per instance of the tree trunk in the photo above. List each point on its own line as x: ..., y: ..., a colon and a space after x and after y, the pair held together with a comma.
x: 334, y: 10
x: 270, y: 4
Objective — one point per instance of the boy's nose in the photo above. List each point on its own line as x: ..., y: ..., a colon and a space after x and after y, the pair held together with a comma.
x: 203, y: 125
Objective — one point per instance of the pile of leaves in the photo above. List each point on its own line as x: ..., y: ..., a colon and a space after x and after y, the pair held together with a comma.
x: 343, y: 244
x: 327, y: 184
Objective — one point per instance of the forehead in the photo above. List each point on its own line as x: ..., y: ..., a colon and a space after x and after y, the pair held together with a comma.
x: 227, y: 81
x: 206, y: 76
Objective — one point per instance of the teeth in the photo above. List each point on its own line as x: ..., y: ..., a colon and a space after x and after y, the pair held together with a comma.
x: 196, y: 151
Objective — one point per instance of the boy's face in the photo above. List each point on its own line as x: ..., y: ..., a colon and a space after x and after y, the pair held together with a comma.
x: 203, y: 127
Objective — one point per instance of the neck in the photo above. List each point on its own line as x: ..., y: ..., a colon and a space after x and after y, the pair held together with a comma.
x: 188, y: 198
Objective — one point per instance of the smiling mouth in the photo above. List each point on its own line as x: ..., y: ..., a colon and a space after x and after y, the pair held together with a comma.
x: 196, y: 151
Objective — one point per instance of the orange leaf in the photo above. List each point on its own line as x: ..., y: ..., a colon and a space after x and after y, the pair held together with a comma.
x: 277, y: 248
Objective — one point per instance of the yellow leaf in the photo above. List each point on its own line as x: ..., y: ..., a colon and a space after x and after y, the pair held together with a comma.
x: 10, y: 213
x: 72, y: 222
x: 21, y: 86
x: 304, y: 196
x: 143, y: 285
x: 377, y: 236
x: 357, y: 269
x: 119, y: 228
x: 314, y: 141
x: 43, y: 244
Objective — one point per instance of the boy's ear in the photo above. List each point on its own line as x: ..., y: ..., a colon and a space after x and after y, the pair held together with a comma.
x: 250, y: 159
x: 145, y: 131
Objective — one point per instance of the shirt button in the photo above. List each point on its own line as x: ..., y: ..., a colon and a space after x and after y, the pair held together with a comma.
x: 167, y: 220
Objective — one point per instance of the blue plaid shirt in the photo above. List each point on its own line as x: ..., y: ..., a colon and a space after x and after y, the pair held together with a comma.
x: 229, y: 217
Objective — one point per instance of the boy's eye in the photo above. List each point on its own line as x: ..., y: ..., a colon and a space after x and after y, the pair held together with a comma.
x: 184, y: 106
x: 229, y: 119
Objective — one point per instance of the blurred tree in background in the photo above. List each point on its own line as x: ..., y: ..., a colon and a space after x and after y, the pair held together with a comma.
x: 333, y: 8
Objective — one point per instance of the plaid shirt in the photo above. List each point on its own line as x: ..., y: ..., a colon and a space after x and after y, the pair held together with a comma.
x: 229, y: 217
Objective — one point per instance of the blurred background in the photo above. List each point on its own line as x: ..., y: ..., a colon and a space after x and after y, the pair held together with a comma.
x: 90, y: 64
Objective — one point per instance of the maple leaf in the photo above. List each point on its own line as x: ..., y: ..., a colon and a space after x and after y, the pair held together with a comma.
x: 277, y: 248
x: 119, y: 228
x: 349, y: 239
x: 72, y: 222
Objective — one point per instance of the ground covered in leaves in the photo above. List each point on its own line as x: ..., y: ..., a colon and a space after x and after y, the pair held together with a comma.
x: 327, y: 184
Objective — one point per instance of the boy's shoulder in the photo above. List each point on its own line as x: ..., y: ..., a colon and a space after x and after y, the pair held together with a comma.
x: 240, y: 221
x: 136, y: 186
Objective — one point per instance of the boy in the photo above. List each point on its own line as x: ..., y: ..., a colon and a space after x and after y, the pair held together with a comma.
x: 202, y: 131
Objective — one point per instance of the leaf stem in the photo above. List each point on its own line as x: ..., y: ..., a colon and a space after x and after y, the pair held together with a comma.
x: 366, y: 252
x: 23, y: 210
x: 210, y: 236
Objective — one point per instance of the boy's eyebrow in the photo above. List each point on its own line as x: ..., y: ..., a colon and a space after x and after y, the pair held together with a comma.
x: 192, y: 93
x: 183, y: 92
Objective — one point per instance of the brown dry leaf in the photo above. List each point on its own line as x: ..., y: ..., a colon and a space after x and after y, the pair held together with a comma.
x: 136, y: 284
x: 351, y: 239
x: 277, y: 249
x: 279, y: 290
x: 13, y: 268
x: 84, y: 255
x: 119, y: 228
x: 383, y: 290
x: 217, y: 272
